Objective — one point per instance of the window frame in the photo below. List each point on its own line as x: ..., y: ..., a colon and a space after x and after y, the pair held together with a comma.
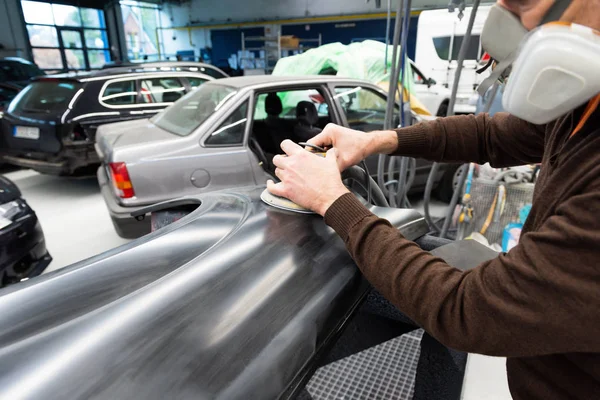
x: 61, y: 47
x: 376, y: 89
x: 249, y: 119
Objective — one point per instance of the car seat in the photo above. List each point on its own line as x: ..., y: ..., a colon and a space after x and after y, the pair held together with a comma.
x: 306, y: 119
x: 171, y: 97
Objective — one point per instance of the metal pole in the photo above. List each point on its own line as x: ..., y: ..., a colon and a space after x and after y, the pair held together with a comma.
x: 461, y: 57
x: 387, y: 34
x: 391, y: 100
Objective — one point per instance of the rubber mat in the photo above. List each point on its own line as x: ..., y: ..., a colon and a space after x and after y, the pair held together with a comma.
x: 385, y: 371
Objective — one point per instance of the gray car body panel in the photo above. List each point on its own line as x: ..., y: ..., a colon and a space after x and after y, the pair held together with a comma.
x: 234, y: 301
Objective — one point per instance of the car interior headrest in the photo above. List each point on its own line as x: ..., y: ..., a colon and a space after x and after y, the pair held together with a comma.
x: 307, y: 113
x: 273, y: 105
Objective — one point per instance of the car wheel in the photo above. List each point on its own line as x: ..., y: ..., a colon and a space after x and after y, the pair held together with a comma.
x: 443, y: 110
x: 448, y: 183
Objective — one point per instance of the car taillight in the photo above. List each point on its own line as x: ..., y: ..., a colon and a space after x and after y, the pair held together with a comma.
x: 120, y: 180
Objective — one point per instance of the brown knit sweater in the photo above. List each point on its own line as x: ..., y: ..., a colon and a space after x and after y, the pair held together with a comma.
x: 539, y: 304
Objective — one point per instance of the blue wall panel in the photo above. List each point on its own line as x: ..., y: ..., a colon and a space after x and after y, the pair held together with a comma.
x: 226, y: 42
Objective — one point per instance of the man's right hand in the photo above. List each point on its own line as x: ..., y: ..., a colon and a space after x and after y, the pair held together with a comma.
x: 354, y: 146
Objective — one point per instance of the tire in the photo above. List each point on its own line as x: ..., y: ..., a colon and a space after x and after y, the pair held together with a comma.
x: 443, y: 110
x: 448, y: 183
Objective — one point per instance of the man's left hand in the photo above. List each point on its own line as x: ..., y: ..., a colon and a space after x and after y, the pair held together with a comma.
x: 308, y: 180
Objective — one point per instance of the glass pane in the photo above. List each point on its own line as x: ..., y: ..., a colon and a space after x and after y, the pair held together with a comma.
x: 195, y: 82
x: 98, y: 58
x: 44, y: 36
x: 442, y: 47
x: 161, y: 90
x: 119, y: 93
x: 96, y: 39
x: 92, y: 18
x: 37, y: 13
x: 364, y: 108
x: 46, y: 96
x: 183, y: 117
x: 232, y: 130
x: 71, y: 39
x: 75, y: 59
x: 140, y: 26
x: 47, y: 58
x: 66, y: 15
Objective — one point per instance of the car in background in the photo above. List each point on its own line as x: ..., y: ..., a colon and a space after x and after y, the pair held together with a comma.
x: 434, y: 97
x: 18, y: 71
x: 8, y: 92
x: 207, y: 69
x: 23, y: 252
x: 225, y: 135
x: 51, y: 125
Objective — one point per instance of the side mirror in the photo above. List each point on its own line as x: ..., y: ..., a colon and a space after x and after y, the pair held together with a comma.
x: 431, y: 82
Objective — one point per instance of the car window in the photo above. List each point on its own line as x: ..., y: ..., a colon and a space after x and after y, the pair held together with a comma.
x: 442, y: 47
x: 45, y: 96
x: 120, y: 93
x: 231, y: 131
x: 289, y: 101
x: 7, y: 93
x: 161, y: 90
x: 195, y: 81
x: 364, y: 108
x: 184, y: 116
x: 212, y: 72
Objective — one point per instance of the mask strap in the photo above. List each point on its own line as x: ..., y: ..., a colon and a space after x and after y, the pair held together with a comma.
x: 496, y: 73
x: 556, y: 11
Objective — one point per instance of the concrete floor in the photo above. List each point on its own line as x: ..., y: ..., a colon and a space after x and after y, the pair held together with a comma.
x: 77, y: 226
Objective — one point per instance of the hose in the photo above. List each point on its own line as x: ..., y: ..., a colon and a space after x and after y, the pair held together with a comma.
x: 454, y: 201
x: 361, y: 177
x: 381, y: 172
x: 391, y: 100
x: 427, y: 198
x: 391, y: 182
x: 402, y: 181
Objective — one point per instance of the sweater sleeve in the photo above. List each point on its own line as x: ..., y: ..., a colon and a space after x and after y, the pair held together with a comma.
x: 540, y: 298
x: 502, y: 140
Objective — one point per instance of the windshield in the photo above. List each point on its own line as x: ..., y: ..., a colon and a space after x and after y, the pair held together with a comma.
x: 185, y: 115
x: 45, y: 96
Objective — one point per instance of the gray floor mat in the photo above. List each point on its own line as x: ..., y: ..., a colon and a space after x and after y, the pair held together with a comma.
x: 385, y: 371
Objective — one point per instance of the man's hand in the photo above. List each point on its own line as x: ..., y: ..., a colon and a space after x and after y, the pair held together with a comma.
x: 308, y: 180
x: 354, y: 146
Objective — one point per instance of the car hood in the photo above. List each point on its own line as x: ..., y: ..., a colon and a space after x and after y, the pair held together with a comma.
x: 8, y: 190
x: 111, y: 137
x: 236, y: 300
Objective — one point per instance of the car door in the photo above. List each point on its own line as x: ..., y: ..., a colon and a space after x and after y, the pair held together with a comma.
x: 430, y: 94
x: 223, y: 159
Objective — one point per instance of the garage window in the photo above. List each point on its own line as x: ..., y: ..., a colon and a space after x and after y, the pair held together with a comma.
x: 66, y: 38
x: 119, y: 93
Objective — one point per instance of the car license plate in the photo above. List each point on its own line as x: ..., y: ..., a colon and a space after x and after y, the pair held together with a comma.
x: 27, y: 132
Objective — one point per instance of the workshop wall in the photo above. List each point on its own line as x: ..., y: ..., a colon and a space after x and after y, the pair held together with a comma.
x: 226, y: 41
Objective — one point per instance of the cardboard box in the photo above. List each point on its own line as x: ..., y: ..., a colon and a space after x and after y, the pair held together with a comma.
x: 290, y: 42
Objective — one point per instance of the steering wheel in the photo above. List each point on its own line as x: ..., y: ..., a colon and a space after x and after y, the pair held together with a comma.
x: 259, y: 152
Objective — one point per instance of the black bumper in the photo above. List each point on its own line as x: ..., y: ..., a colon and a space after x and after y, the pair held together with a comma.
x: 23, y: 252
x: 66, y: 162
x: 125, y: 225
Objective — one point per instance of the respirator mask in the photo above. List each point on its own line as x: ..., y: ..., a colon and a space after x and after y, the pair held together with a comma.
x: 553, y: 69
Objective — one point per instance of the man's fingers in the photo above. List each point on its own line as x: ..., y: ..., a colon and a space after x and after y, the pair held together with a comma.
x: 290, y: 148
x: 279, y: 173
x: 280, y: 161
x: 278, y: 189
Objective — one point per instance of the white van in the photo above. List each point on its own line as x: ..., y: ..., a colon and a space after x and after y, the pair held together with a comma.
x: 439, y: 38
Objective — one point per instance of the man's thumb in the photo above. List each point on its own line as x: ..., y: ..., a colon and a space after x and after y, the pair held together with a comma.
x: 332, y: 153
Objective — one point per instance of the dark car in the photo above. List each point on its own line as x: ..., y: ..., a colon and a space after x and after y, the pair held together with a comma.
x: 18, y: 71
x: 8, y: 91
x: 23, y: 251
x: 51, y: 125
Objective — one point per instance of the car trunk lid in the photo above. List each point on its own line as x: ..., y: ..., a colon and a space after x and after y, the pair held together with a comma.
x: 113, y: 139
x: 32, y: 122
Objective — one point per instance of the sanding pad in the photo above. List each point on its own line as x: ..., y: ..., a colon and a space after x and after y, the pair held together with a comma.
x: 282, y: 203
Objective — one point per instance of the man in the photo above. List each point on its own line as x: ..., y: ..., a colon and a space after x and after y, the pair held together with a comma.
x: 539, y: 304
